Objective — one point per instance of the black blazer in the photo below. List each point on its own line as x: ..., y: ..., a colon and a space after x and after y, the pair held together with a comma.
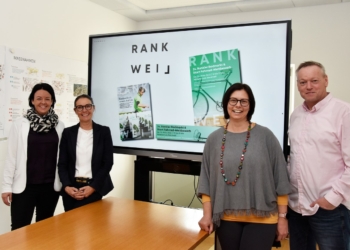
x: 101, y: 162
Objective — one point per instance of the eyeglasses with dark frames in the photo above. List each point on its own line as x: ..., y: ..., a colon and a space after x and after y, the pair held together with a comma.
x: 81, y: 108
x: 234, y: 101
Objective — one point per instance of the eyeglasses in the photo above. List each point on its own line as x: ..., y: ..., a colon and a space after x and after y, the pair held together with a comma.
x: 234, y: 101
x: 81, y: 108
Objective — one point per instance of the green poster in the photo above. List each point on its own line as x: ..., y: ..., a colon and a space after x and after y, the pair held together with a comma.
x: 183, y: 132
x: 211, y: 75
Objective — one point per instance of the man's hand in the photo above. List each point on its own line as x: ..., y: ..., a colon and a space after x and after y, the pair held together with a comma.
x: 323, y: 203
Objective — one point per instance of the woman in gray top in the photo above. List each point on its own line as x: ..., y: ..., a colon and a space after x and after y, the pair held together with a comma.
x: 243, y: 183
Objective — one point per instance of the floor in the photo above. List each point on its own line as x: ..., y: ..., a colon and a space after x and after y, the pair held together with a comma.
x: 208, y: 244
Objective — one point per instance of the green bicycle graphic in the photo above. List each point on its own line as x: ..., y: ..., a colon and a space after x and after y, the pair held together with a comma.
x: 200, y: 97
x: 197, y: 136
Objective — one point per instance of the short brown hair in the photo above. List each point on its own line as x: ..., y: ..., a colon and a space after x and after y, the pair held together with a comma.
x: 310, y: 63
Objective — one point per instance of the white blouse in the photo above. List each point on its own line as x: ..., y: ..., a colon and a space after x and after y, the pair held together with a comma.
x: 84, y: 153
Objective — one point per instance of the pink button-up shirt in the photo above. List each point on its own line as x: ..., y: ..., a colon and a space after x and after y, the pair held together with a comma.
x: 320, y: 155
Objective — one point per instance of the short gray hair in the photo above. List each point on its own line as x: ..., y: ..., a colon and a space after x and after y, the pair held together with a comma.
x: 310, y: 63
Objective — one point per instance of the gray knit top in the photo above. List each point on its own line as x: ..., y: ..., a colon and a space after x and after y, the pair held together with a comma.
x: 263, y: 177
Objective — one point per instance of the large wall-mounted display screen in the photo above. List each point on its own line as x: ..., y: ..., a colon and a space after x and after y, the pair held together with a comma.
x: 160, y: 91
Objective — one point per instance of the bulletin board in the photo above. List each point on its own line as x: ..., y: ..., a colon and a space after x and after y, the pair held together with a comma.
x: 21, y: 69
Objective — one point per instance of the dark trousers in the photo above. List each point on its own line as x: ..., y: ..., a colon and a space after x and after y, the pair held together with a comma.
x: 246, y: 236
x: 329, y: 228
x: 70, y: 203
x: 41, y: 197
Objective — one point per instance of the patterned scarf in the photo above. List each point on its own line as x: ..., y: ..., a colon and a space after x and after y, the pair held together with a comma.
x: 42, y: 124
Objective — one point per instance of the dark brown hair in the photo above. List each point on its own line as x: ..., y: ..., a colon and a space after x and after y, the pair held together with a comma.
x: 83, y: 96
x: 45, y: 86
x: 233, y: 88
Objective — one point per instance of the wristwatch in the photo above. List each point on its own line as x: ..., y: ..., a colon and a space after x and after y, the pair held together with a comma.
x: 282, y: 215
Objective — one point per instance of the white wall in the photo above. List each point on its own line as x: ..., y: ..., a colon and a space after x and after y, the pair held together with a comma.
x: 61, y: 28
x: 5, y: 219
x: 179, y: 188
x: 58, y: 27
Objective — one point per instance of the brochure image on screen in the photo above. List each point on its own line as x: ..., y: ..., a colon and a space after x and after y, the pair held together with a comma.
x: 135, y: 113
x: 211, y: 75
x: 183, y: 132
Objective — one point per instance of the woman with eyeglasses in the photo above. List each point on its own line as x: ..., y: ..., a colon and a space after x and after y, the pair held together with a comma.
x: 85, y: 159
x: 243, y: 182
x: 30, y: 179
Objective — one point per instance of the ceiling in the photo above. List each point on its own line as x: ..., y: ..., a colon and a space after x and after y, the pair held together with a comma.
x: 147, y: 10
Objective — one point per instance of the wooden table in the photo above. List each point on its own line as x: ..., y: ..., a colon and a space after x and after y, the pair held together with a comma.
x: 112, y: 223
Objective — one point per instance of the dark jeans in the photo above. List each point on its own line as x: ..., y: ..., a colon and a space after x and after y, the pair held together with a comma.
x: 246, y: 236
x: 70, y: 203
x: 41, y: 197
x: 329, y: 228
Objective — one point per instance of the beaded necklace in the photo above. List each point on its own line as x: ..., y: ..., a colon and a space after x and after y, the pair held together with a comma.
x: 233, y: 183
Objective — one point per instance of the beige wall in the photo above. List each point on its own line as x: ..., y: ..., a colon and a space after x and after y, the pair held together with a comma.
x: 61, y: 28
x: 57, y: 27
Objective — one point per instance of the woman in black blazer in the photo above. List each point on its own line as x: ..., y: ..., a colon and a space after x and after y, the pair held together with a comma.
x: 85, y: 159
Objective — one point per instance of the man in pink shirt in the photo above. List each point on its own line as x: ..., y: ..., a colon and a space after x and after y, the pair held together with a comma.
x: 319, y: 166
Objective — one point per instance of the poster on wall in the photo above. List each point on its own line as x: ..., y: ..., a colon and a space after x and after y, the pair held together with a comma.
x: 26, y: 68
x: 2, y: 93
